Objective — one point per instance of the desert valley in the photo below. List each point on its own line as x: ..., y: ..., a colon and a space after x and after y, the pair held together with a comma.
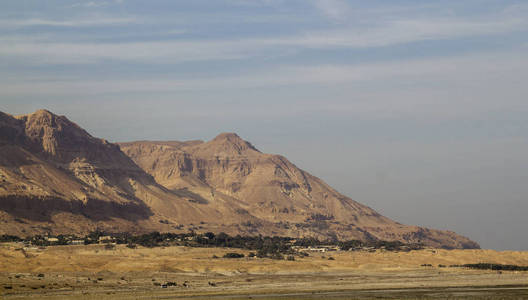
x: 60, y: 185
x: 100, y: 272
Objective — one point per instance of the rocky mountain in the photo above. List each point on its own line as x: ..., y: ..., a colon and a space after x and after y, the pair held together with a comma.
x: 269, y: 187
x: 55, y: 177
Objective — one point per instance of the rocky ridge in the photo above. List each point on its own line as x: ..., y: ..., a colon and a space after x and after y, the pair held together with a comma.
x: 57, y: 178
x: 272, y: 189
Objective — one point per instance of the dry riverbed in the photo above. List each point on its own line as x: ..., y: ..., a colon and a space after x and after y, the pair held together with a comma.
x: 93, y: 272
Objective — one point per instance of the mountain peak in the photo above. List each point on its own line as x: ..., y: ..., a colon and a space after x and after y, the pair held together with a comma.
x: 43, y: 112
x: 43, y: 118
x: 54, y: 134
x: 230, y: 136
x: 230, y: 141
x: 39, y: 114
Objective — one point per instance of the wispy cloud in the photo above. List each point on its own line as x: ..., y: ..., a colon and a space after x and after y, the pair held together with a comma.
x: 94, y: 4
x: 255, y: 2
x: 90, y: 4
x: 176, y: 51
x: 336, y: 10
x: 470, y: 71
x: 80, y: 22
x: 404, y: 31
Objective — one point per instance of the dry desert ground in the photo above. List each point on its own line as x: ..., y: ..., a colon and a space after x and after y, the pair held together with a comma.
x: 94, y: 272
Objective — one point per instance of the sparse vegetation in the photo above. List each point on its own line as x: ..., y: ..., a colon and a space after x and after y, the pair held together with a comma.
x: 9, y: 238
x: 495, y: 267
x: 266, y: 247
x: 125, y: 274
x: 233, y: 255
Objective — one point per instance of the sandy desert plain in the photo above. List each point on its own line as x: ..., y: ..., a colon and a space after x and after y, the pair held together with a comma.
x: 94, y: 272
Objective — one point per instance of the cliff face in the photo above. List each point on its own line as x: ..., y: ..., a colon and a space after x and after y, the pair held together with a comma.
x: 55, y: 177
x: 272, y: 189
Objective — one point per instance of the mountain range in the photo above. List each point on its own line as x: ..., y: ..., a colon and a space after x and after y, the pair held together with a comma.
x: 57, y: 178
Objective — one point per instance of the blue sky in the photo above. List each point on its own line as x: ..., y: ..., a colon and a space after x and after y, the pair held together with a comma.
x: 416, y: 108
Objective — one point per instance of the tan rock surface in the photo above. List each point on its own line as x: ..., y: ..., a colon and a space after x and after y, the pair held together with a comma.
x: 228, y: 169
x: 55, y: 177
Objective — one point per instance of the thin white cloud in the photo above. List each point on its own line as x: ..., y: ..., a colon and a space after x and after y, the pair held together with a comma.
x: 160, y: 52
x: 469, y: 71
x: 403, y: 31
x: 386, y: 34
x: 336, y: 10
x: 391, y: 33
x: 90, y: 4
x: 81, y: 22
x: 95, y: 4
x: 255, y: 2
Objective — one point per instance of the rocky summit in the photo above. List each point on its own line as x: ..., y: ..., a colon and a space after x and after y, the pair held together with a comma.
x: 55, y: 177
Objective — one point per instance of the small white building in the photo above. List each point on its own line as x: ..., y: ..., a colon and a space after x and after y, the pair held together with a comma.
x: 105, y: 238
x: 321, y: 249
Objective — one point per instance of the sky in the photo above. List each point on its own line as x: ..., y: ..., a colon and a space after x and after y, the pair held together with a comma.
x: 416, y: 108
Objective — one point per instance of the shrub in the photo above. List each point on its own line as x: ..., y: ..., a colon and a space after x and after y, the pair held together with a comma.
x: 277, y: 255
x: 261, y: 253
x: 233, y: 255
x: 496, y: 267
x: 9, y: 238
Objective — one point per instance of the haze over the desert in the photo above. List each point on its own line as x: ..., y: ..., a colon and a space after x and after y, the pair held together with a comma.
x: 416, y: 109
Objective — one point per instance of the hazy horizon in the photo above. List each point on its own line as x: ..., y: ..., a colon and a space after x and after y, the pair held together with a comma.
x: 414, y: 108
